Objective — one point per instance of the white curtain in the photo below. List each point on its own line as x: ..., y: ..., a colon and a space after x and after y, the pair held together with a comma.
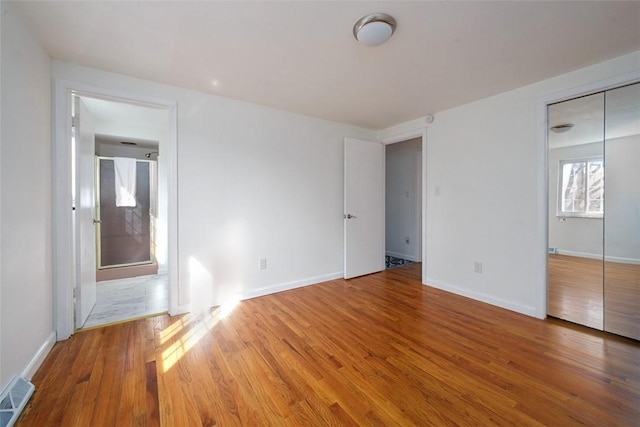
x: 125, y: 181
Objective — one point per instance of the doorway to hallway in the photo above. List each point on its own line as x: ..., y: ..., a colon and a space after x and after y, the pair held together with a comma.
x: 403, y: 202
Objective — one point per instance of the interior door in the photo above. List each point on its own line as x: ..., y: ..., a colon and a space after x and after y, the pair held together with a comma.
x: 85, y: 233
x: 363, y: 207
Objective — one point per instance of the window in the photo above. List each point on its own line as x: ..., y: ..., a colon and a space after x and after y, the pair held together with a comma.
x: 581, y: 191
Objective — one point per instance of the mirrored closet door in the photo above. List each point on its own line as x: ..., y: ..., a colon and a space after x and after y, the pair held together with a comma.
x: 594, y: 210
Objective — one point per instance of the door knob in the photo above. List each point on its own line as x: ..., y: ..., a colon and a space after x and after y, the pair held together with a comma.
x: 97, y: 221
x: 349, y: 216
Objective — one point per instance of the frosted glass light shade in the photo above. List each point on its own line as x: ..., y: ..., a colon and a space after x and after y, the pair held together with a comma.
x: 375, y: 29
x: 374, y: 34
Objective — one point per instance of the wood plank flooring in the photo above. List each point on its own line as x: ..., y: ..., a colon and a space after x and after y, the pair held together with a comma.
x: 576, y: 290
x: 622, y: 299
x: 376, y: 350
x: 590, y: 292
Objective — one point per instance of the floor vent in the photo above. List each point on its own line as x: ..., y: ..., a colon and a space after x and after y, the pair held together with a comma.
x: 13, y: 400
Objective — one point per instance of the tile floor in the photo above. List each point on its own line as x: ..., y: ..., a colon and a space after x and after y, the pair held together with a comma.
x: 123, y: 299
x: 392, y: 262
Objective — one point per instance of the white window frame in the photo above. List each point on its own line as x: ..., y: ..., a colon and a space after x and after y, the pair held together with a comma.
x: 560, y: 207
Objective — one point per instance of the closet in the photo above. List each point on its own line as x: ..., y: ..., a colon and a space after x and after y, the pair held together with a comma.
x: 594, y: 210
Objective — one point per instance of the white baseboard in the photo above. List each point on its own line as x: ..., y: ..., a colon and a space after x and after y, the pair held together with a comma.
x: 599, y: 256
x: 186, y: 308
x: 39, y: 357
x: 622, y: 260
x: 489, y: 299
x: 579, y: 254
x: 403, y: 256
x: 290, y: 285
x: 179, y: 309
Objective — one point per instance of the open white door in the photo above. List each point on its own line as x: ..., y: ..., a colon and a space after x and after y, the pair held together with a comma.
x: 363, y: 207
x: 85, y: 233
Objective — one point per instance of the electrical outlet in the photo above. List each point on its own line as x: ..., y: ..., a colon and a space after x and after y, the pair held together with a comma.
x: 407, y: 240
x: 477, y: 267
x: 262, y: 264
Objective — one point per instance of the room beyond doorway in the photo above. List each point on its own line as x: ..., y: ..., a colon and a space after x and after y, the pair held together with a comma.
x: 116, y: 155
x: 403, y: 202
x: 65, y: 257
x: 128, y: 299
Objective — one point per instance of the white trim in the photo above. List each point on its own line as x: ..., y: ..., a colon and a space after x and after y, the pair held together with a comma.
x: 403, y: 256
x: 290, y: 285
x: 63, y: 268
x: 528, y: 310
x: 37, y: 359
x: 403, y: 131
x: 578, y: 254
x: 172, y: 210
x: 621, y: 260
x: 419, y: 224
x: 606, y: 258
x: 591, y: 88
x: 542, y: 224
x: 63, y: 258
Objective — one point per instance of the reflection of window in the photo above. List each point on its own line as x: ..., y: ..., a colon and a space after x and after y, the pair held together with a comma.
x: 581, y: 191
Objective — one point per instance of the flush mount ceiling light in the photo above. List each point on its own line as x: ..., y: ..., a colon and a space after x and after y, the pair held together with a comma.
x: 565, y: 127
x: 375, y: 29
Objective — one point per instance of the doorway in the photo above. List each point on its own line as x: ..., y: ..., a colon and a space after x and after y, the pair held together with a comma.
x: 365, y: 204
x: 126, y: 216
x: 403, y: 202
x: 65, y: 251
x: 125, y: 233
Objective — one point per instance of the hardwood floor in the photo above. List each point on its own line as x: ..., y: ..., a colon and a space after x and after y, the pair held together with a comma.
x: 576, y: 290
x: 622, y: 299
x: 601, y: 295
x: 376, y: 350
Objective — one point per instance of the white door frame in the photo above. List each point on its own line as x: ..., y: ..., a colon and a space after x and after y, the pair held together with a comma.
x: 404, y: 136
x: 63, y: 257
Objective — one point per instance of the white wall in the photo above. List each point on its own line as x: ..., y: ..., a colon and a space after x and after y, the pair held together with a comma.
x: 622, y: 199
x: 573, y: 236
x: 402, y: 198
x: 253, y: 183
x: 26, y: 271
x: 489, y: 160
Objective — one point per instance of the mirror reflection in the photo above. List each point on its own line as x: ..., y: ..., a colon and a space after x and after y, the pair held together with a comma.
x: 622, y: 212
x: 576, y: 192
x: 594, y: 210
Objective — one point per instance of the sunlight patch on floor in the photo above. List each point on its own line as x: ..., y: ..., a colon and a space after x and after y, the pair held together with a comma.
x: 189, y: 330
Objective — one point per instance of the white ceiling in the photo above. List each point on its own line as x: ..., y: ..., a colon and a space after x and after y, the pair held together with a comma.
x: 301, y: 56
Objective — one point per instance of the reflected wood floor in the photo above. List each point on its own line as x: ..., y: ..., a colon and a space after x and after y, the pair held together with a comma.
x: 576, y: 291
x: 590, y: 292
x: 376, y: 350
